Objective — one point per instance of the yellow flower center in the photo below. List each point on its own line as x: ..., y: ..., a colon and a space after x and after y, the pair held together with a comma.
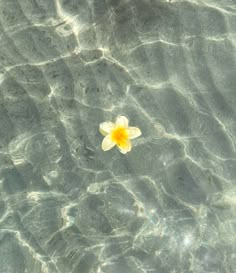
x: 120, y: 136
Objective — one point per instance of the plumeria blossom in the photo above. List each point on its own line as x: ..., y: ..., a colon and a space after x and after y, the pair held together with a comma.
x: 118, y: 133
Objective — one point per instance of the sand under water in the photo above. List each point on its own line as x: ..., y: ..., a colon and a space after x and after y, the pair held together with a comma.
x: 169, y: 205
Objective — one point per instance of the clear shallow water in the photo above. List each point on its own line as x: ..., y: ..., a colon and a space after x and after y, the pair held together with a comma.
x: 168, y: 206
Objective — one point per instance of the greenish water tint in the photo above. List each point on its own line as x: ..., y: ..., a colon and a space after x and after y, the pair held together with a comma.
x: 169, y: 205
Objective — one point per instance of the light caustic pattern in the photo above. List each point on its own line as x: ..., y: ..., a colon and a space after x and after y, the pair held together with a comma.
x: 167, y: 206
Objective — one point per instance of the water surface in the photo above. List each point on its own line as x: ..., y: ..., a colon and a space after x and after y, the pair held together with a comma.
x: 168, y: 206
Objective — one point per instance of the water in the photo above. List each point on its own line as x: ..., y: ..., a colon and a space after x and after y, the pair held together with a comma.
x: 168, y: 206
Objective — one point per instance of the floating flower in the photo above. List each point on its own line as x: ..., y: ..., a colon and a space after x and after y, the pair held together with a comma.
x: 118, y: 133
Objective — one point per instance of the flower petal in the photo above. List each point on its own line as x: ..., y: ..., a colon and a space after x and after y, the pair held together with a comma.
x: 125, y: 148
x: 122, y: 121
x: 133, y: 132
x: 106, y: 127
x: 107, y: 143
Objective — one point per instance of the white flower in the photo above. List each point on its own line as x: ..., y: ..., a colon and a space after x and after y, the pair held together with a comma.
x: 118, y: 133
